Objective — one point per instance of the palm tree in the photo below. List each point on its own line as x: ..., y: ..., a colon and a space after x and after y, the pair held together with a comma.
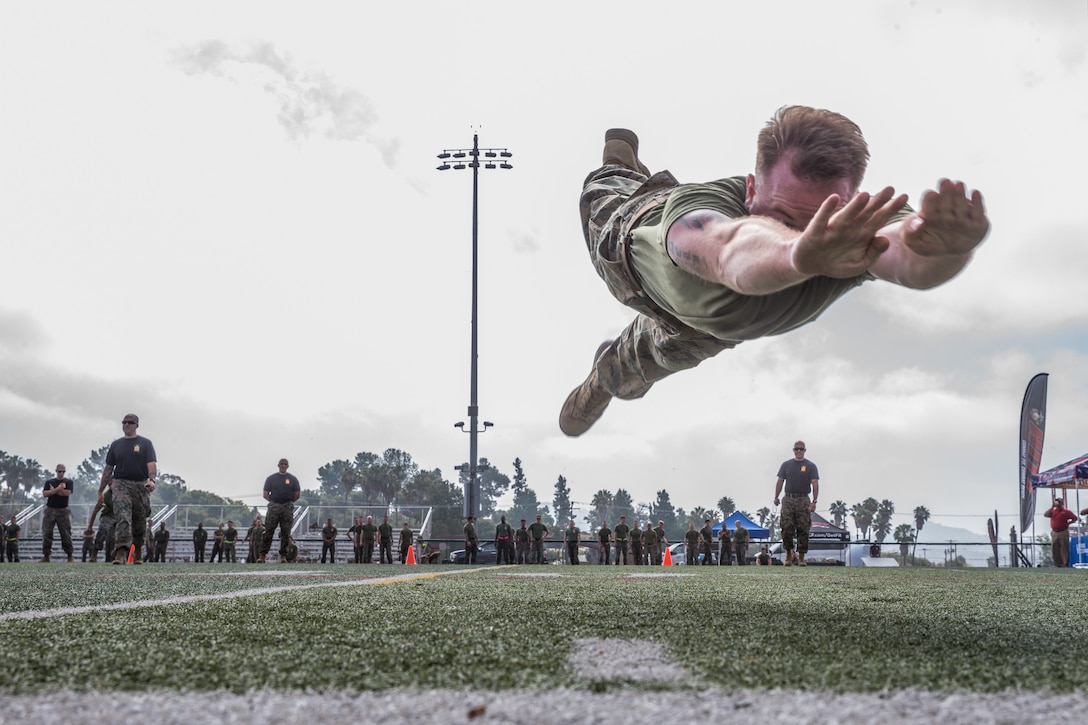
x: 921, y: 516
x: 602, y: 506
x: 727, y: 506
x: 698, y: 515
x: 772, y: 525
x: 763, y: 514
x: 863, y: 519
x: 839, y: 511
x: 883, y: 520
x: 904, y: 534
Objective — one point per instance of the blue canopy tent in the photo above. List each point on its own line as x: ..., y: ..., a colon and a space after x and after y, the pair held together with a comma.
x: 755, y: 531
x: 1071, y: 474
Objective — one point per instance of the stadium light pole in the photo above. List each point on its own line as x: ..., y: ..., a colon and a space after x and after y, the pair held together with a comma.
x: 494, y: 158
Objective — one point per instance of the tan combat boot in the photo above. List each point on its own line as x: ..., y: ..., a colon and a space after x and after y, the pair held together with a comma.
x: 70, y: 559
x: 137, y: 555
x: 586, y: 403
x: 789, y: 558
x: 44, y: 559
x: 120, y: 555
x: 801, y: 560
x: 621, y: 147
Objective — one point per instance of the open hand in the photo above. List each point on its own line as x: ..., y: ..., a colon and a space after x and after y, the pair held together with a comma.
x: 844, y: 243
x: 948, y: 222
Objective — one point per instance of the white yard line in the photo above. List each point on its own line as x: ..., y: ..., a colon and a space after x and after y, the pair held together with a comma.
x: 41, y: 614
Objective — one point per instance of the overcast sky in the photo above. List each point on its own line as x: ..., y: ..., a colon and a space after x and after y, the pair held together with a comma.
x: 226, y: 218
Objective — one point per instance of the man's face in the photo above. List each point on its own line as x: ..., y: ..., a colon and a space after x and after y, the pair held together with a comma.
x: 799, y: 450
x: 61, y: 471
x: 783, y: 197
x: 282, y: 465
x: 129, y: 426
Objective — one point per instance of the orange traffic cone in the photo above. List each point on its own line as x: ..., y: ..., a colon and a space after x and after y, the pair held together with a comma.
x: 132, y: 553
x: 668, y: 558
x: 411, y: 556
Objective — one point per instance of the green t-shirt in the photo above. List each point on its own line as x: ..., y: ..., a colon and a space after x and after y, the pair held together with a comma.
x: 621, y: 532
x: 713, y: 308
x: 405, y: 537
x: 691, y: 538
x: 385, y: 532
x: 636, y: 536
x: 740, y: 538
x: 538, y: 530
x: 368, y: 531
x: 604, y: 535
x: 572, y: 534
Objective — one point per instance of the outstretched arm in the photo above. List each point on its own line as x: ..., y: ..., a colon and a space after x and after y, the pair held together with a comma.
x: 933, y: 245
x: 759, y: 255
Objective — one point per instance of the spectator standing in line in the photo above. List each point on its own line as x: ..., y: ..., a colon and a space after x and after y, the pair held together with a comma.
x: 218, y: 536
x: 800, y: 477
x: 405, y: 542
x: 691, y: 544
x: 130, y: 470
x: 740, y: 543
x: 504, y: 539
x: 572, y: 536
x: 1060, y: 518
x: 370, y: 534
x: 328, y: 542
x: 281, y: 490
x: 472, y: 542
x: 255, y: 539
x: 725, y: 546
x: 200, y: 541
x: 11, y: 540
x: 706, y: 539
x: 622, y: 536
x: 660, y: 542
x: 355, y: 536
x: 385, y: 541
x: 636, y: 543
x: 57, y: 515
x: 604, y: 540
x: 162, y: 542
x: 649, y: 543
x: 521, y: 538
x: 538, y: 531
x: 230, y: 542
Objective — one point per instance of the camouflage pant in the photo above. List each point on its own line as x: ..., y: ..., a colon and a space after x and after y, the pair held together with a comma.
x: 131, y: 505
x: 282, y: 515
x: 796, y: 521
x: 655, y: 344
x: 538, y: 552
x: 62, y: 518
x: 103, y: 540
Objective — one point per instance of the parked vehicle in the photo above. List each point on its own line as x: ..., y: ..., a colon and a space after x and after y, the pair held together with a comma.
x: 486, y: 554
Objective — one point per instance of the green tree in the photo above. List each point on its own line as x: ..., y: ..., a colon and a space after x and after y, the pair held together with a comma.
x: 561, y: 501
x: 526, y: 505
x: 88, y: 476
x: 662, y: 510
x: 763, y: 514
x: 772, y: 525
x: 726, y: 506
x: 624, y: 505
x: 492, y: 482
x: 700, y: 514
x: 863, y: 514
x: 904, y: 534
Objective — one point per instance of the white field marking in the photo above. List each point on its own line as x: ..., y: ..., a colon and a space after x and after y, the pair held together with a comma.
x: 226, y: 595
x: 625, y: 659
x: 654, y: 576
x: 265, y: 572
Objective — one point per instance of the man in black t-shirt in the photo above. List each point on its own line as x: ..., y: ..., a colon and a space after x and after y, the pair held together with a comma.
x: 131, y: 467
x: 281, y: 490
x: 56, y: 492
x: 800, y: 477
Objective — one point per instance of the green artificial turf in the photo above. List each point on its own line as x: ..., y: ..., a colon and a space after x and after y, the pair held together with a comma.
x: 824, y: 629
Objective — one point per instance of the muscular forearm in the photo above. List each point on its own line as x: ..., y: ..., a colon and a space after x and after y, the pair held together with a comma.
x: 107, y: 476
x: 751, y: 255
x: 904, y: 267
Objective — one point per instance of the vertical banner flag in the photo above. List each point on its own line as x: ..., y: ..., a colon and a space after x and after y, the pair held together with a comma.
x: 1032, y: 428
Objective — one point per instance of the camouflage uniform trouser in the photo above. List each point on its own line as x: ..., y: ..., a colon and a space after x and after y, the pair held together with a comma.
x: 131, y: 505
x: 538, y: 552
x: 62, y: 518
x: 522, y: 552
x: 796, y: 521
x: 656, y: 344
x: 282, y: 515
x: 107, y: 521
